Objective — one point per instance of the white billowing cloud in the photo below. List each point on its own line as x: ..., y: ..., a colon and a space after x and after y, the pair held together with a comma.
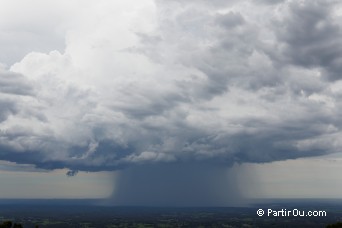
x: 156, y: 81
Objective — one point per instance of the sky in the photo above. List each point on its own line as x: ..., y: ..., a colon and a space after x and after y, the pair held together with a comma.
x: 146, y: 102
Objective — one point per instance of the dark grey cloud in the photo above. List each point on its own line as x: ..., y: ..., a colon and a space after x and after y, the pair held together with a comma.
x: 271, y: 2
x: 230, y: 19
x: 214, y: 3
x: 7, y: 108
x: 11, y: 83
x: 12, y: 86
x: 311, y: 34
x: 193, y: 84
x: 72, y: 173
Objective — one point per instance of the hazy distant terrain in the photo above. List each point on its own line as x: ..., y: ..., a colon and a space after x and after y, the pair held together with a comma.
x: 67, y: 214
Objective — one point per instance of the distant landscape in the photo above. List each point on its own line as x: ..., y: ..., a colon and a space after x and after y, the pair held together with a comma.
x: 89, y: 214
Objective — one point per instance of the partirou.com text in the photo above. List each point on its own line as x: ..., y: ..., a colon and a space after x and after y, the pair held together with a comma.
x: 292, y: 212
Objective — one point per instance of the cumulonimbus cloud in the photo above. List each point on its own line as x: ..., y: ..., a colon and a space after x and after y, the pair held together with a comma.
x: 171, y: 81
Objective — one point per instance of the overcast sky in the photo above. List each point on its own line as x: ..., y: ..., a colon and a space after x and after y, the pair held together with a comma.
x: 125, y: 85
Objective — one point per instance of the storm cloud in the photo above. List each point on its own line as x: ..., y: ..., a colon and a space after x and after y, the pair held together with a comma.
x: 171, y: 82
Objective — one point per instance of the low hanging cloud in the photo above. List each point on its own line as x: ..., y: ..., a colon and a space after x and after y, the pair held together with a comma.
x: 174, y: 82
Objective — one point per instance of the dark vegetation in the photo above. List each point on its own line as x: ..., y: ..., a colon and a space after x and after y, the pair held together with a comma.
x: 9, y: 224
x: 81, y: 216
x: 335, y: 225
